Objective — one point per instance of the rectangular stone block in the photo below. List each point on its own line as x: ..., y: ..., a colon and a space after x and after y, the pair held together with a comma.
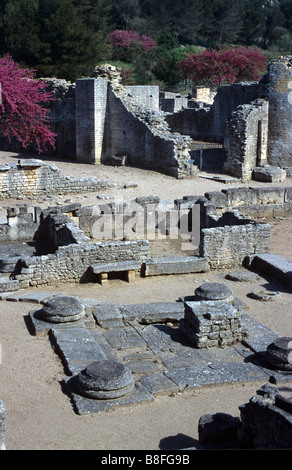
x: 274, y: 265
x: 153, y: 312
x: 8, y: 285
x: 77, y: 348
x: 175, y: 265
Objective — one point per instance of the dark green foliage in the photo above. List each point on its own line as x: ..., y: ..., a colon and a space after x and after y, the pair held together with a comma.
x: 52, y: 37
x: 68, y: 38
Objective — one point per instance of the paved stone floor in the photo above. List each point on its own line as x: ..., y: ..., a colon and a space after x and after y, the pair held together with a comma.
x: 148, y: 339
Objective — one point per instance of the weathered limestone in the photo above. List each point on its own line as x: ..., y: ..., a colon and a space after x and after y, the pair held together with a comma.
x: 91, y: 101
x: 246, y: 139
x: 227, y: 247
x: 8, y: 285
x: 110, y: 123
x: 272, y: 265
x: 279, y: 353
x: 214, y: 291
x: 218, y: 430
x: 126, y: 267
x: 212, y: 324
x: 280, y: 112
x: 104, y: 380
x: 175, y: 265
x: 264, y: 296
x: 213, y: 319
x: 242, y: 276
x: 61, y: 309
x: 73, y: 263
x: 266, y: 421
x: 33, y: 177
x: 269, y: 174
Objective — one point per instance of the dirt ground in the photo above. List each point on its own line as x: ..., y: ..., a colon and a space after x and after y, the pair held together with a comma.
x: 40, y: 416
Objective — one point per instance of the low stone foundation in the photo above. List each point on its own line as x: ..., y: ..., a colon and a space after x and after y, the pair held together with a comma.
x: 31, y: 177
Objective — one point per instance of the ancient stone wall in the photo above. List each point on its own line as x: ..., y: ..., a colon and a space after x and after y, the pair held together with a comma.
x: 209, y: 124
x: 245, y: 140
x: 91, y: 104
x: 172, y: 102
x: 62, y: 117
x: 145, y: 96
x: 73, y: 263
x: 280, y: 112
x: 227, y: 247
x: 255, y: 203
x: 146, y: 144
x: 266, y: 421
x: 123, y: 128
x: 34, y: 178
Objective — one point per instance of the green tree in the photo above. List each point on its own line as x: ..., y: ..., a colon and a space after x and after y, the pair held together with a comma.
x: 254, y: 23
x: 182, y: 19
x: 51, y: 36
x: 225, y: 22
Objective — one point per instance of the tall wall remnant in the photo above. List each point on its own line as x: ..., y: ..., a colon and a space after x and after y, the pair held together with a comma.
x: 98, y: 120
x: 91, y: 103
x: 246, y: 139
x: 280, y: 112
x: 110, y: 123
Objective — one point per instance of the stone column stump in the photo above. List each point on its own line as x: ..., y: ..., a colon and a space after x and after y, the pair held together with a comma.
x: 62, y: 309
x: 105, y: 380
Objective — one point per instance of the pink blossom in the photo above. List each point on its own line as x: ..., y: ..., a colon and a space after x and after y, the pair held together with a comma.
x: 125, y: 39
x: 22, y: 115
x: 216, y: 67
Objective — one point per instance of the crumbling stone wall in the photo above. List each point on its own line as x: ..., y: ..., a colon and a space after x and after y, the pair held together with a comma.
x: 146, y: 96
x: 255, y: 203
x: 110, y: 123
x: 204, y: 94
x: 34, y: 177
x: 72, y: 263
x: 209, y: 123
x: 62, y: 117
x: 246, y: 139
x: 172, y: 102
x: 227, y: 247
x: 280, y: 112
x: 266, y: 421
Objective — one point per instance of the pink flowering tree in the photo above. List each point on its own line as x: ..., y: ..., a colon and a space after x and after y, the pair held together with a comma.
x: 126, y: 39
x: 23, y: 115
x: 224, y: 66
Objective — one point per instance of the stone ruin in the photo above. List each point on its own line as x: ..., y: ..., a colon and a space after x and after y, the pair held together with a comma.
x: 213, y: 321
x: 265, y: 422
x: 132, y: 353
x: 69, y: 248
x: 244, y: 130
